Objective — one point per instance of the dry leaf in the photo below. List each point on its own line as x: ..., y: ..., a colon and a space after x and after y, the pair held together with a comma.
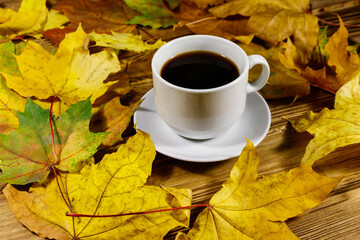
x: 284, y: 24
x: 338, y: 64
x: 275, y: 21
x: 322, y: 78
x: 154, y: 12
x: 99, y: 16
x: 289, y: 56
x: 200, y: 21
x: 115, y: 185
x: 207, y: 3
x: 71, y: 75
x: 32, y: 19
x: 283, y: 82
x: 346, y: 63
x: 114, y: 118
x: 138, y: 65
x: 256, y: 207
x: 249, y: 8
x: 332, y: 128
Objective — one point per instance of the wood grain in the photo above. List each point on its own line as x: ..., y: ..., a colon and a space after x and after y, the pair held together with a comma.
x: 337, y: 218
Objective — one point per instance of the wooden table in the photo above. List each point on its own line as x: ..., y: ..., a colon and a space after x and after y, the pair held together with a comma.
x: 338, y: 217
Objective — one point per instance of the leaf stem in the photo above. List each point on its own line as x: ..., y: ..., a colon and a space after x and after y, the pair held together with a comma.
x: 135, y: 213
x: 337, y: 24
x: 10, y: 39
x: 52, y: 131
x: 201, y: 20
x: 61, y: 192
x: 54, y: 153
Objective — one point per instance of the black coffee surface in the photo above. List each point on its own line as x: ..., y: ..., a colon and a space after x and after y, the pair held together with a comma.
x: 199, y: 70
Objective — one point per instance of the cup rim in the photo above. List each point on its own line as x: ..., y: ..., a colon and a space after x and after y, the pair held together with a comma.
x: 208, y: 90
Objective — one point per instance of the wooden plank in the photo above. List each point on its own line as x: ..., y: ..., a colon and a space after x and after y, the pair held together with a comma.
x: 10, y: 227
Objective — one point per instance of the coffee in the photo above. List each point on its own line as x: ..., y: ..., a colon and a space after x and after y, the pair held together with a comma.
x: 199, y: 70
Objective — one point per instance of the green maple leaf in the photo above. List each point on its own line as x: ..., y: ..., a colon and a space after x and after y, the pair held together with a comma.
x: 26, y: 155
x: 154, y: 12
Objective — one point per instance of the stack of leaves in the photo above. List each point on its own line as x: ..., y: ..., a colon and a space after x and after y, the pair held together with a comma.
x: 60, y: 105
x: 296, y: 47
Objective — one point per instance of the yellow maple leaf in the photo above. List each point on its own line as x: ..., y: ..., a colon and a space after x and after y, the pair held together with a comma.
x: 32, y: 19
x: 115, y: 185
x: 332, y: 128
x: 72, y: 74
x: 256, y: 207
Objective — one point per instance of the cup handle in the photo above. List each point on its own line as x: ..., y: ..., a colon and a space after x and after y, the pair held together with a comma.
x: 265, y: 72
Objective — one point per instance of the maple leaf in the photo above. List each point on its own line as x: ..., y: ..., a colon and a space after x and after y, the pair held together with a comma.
x: 275, y: 21
x: 99, y: 16
x: 124, y: 41
x: 114, y: 185
x: 114, y: 118
x: 72, y: 74
x: 332, y: 128
x: 256, y: 207
x: 32, y: 18
x: 155, y: 13
x: 26, y: 155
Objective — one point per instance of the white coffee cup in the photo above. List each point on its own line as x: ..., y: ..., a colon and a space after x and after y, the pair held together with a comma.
x: 204, y: 113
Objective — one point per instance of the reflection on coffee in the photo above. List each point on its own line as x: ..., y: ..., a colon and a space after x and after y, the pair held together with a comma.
x: 199, y: 70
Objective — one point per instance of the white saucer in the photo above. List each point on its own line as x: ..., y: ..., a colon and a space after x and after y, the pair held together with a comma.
x: 253, y: 124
